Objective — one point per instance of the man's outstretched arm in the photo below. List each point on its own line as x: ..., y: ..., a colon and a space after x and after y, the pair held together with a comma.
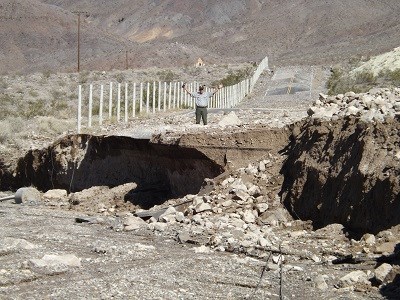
x: 216, y: 89
x: 186, y: 90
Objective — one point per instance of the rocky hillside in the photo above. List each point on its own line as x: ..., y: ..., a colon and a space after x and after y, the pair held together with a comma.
x: 41, y: 34
x: 386, y: 61
x: 36, y: 36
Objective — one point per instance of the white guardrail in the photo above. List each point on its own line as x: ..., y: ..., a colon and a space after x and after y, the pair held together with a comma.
x: 133, y: 98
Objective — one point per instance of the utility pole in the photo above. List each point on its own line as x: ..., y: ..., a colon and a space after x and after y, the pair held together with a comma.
x: 79, y: 36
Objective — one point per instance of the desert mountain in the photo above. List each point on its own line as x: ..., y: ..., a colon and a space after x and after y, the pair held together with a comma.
x: 42, y: 34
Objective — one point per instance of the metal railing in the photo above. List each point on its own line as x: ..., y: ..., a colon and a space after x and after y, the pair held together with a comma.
x: 126, y: 100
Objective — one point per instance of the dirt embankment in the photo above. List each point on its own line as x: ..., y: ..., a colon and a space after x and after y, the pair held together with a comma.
x: 344, y: 172
x: 80, y: 162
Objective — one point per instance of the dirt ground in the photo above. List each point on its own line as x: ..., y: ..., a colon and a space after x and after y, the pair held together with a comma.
x: 231, y: 239
x: 81, y: 245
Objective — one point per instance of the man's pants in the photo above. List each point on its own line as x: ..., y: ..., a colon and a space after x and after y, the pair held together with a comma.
x: 201, y: 112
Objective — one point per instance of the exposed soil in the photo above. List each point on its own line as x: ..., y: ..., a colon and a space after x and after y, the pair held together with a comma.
x: 163, y: 208
x: 344, y: 172
x: 95, y: 225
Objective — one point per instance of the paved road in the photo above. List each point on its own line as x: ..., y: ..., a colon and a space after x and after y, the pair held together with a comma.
x: 287, y: 88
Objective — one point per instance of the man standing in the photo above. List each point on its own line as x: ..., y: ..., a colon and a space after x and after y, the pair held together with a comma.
x: 201, y: 97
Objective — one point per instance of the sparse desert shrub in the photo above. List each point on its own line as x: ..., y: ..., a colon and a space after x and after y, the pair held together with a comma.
x: 57, y: 94
x: 33, y: 93
x: 120, y: 77
x: 356, y: 61
x: 58, y: 105
x: 333, y: 80
x: 341, y: 82
x: 5, y: 132
x: 193, y: 71
x: 390, y: 77
x: 46, y: 74
x: 83, y: 77
x: 395, y: 76
x: 166, y: 75
x: 35, y: 108
x: 3, y: 84
x: 6, y: 99
x: 365, y: 77
x: 8, y: 106
x: 17, y: 124
x: 234, y: 77
x: 52, y: 125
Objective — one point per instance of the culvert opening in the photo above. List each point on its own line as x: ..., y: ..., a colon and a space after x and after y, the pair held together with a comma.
x: 160, y: 171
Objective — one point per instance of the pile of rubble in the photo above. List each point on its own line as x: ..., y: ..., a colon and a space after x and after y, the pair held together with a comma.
x: 374, y: 106
x: 242, y: 213
x: 236, y: 213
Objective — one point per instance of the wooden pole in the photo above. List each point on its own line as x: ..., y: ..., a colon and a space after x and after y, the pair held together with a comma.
x: 79, y: 42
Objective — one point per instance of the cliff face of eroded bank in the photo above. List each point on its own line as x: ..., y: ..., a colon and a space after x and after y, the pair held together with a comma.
x: 346, y: 171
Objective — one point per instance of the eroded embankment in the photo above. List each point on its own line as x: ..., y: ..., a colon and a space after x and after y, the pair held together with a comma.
x: 79, y: 162
x: 161, y: 168
x: 345, y: 172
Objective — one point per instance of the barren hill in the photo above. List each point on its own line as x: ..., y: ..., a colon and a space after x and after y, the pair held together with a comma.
x: 42, y: 34
x: 40, y: 37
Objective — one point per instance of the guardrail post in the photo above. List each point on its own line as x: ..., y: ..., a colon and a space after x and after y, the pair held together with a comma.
x: 141, y: 98
x: 148, y: 97
x: 79, y: 121
x: 110, y: 101
x: 119, y: 102
x: 90, y: 105
x: 134, y: 100
x: 165, y: 96
x: 154, y: 97
x: 179, y: 94
x: 126, y: 102
x: 169, y: 94
x: 101, y: 105
x: 174, y: 100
